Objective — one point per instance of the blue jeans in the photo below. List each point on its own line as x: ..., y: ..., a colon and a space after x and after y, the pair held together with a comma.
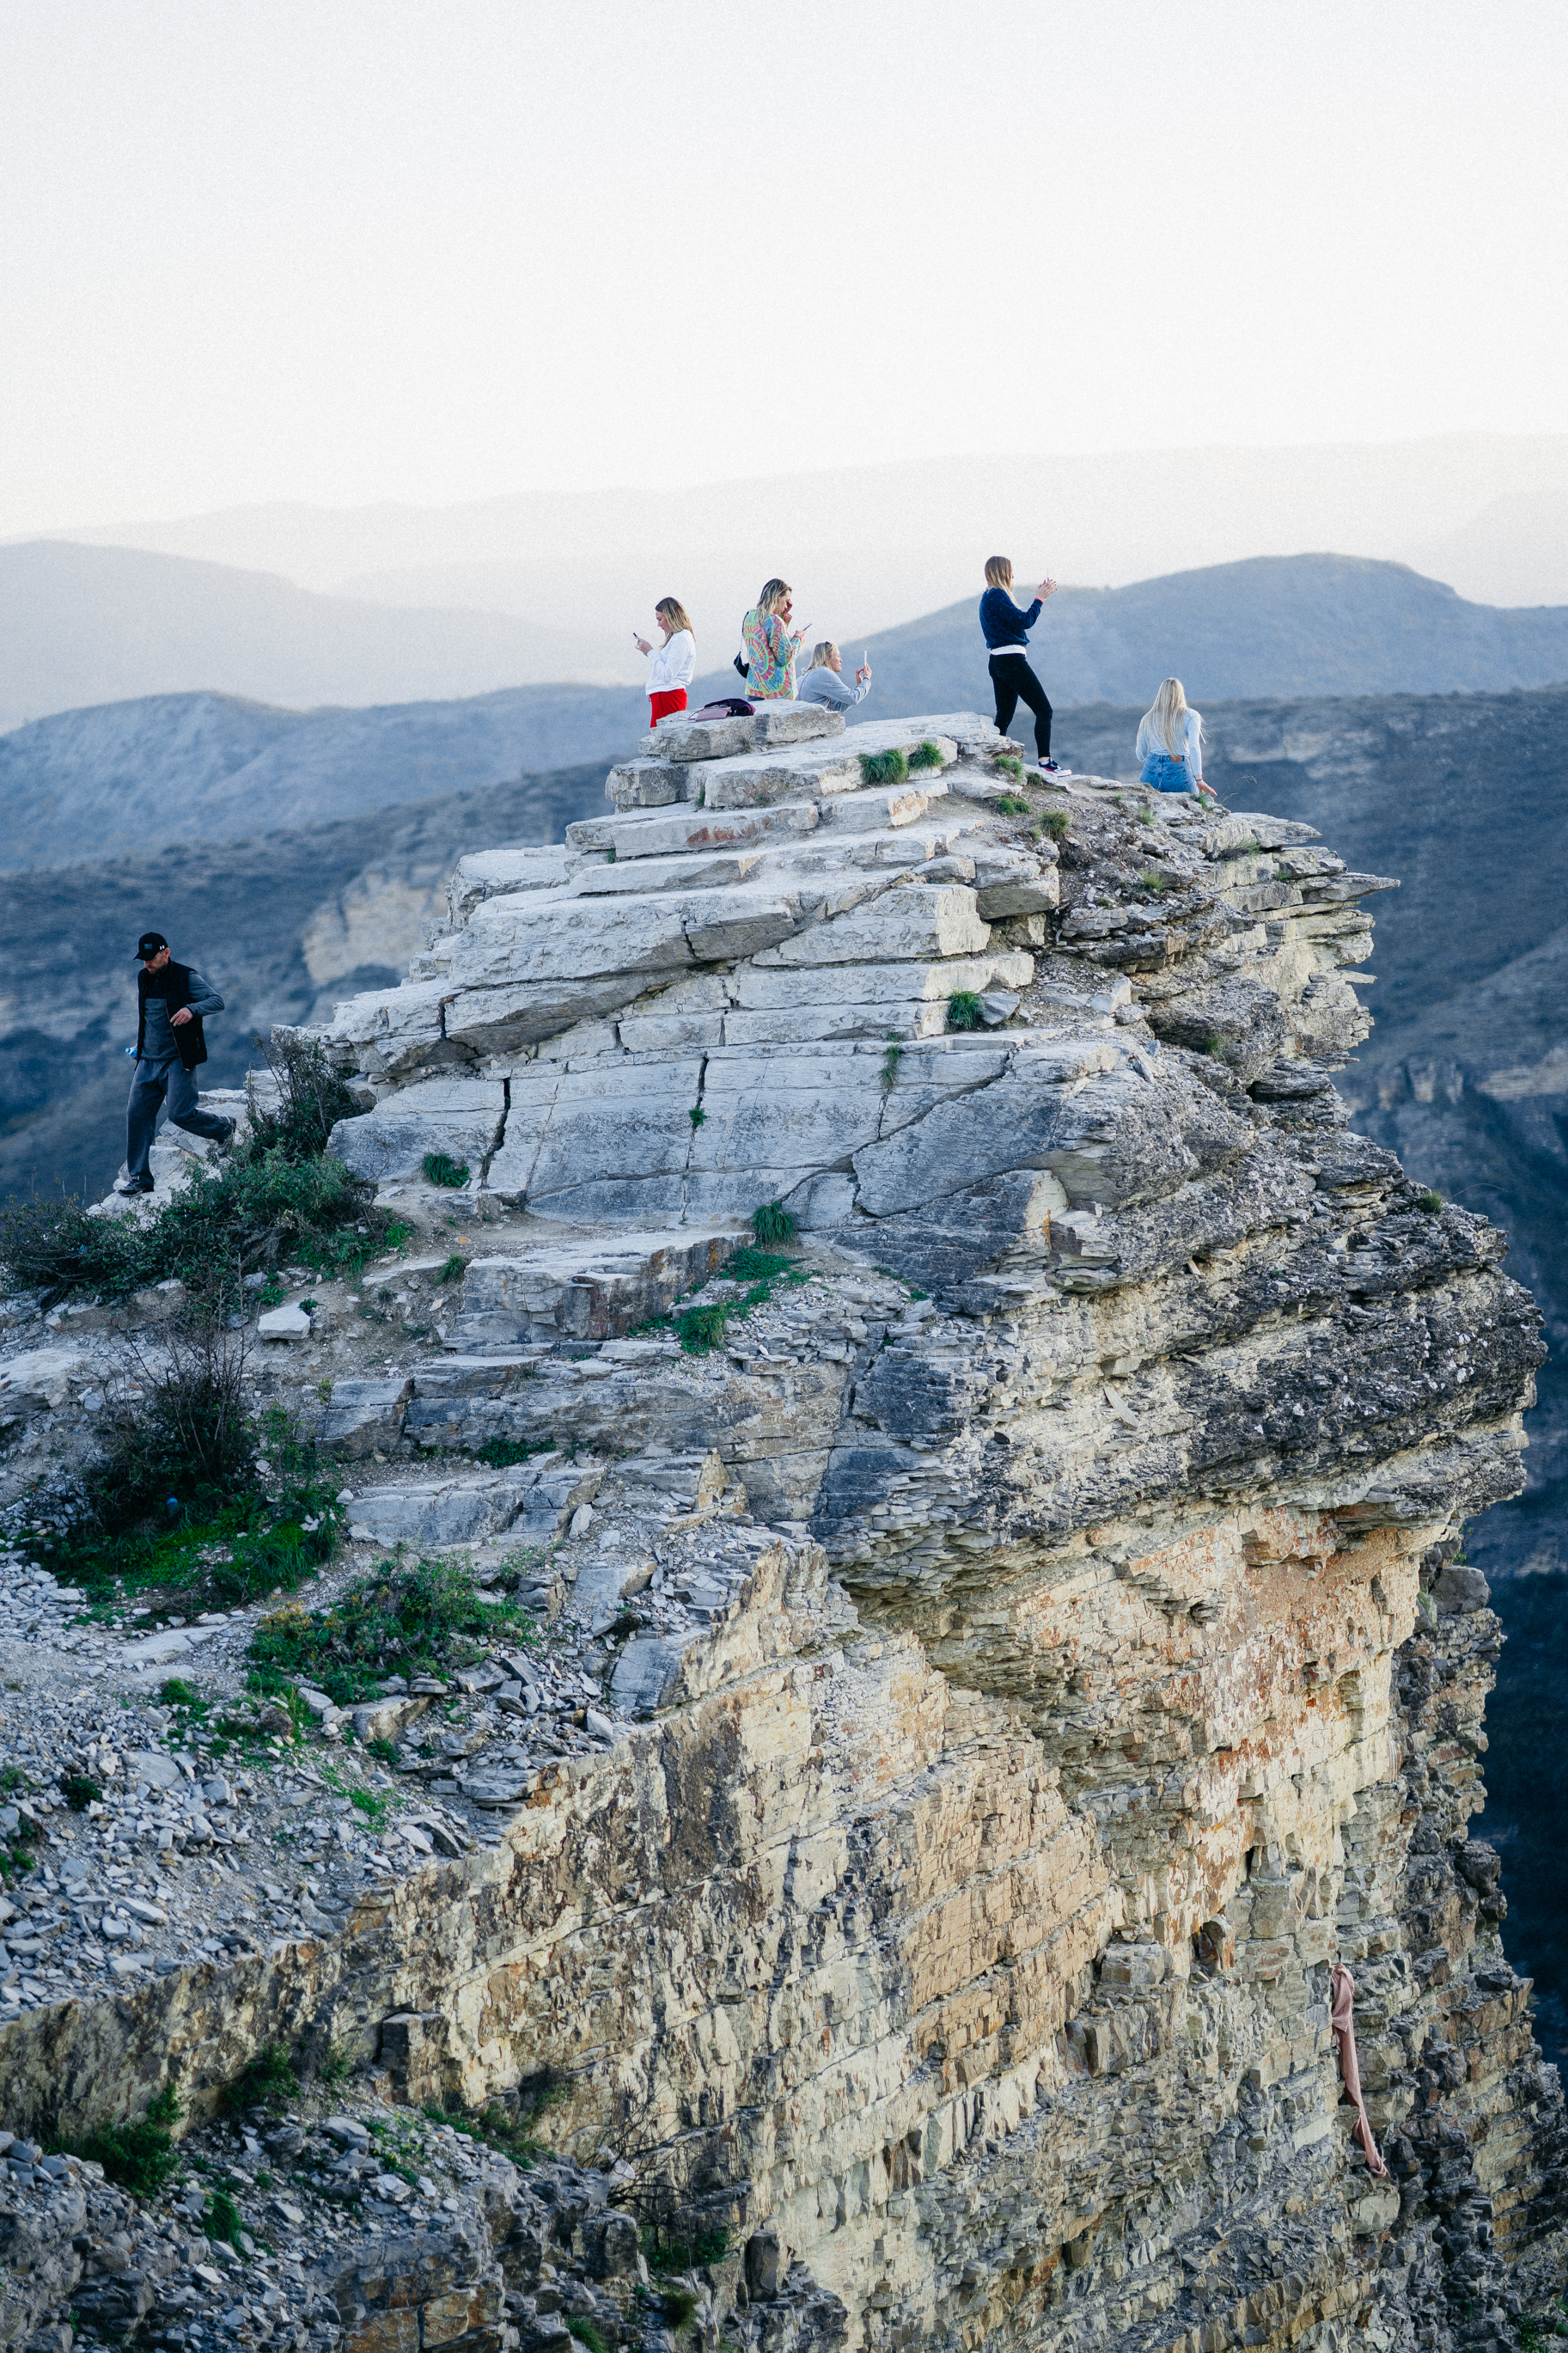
x: 1165, y: 775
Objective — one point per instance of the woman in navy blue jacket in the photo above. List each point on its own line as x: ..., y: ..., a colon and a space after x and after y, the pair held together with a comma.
x: 1006, y: 630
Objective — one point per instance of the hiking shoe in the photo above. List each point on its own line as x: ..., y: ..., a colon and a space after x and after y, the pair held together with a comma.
x: 226, y: 1139
x: 136, y: 1185
x: 1050, y: 768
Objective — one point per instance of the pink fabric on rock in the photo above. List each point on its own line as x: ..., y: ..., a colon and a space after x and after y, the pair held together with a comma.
x: 1343, y: 2018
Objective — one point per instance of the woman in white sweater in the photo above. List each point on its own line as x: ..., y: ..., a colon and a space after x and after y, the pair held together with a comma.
x: 674, y: 665
x: 1170, y: 744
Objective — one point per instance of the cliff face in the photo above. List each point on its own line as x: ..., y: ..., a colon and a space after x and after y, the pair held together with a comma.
x: 1059, y: 1653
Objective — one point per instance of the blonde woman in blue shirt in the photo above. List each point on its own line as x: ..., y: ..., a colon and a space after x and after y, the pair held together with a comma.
x: 1170, y: 744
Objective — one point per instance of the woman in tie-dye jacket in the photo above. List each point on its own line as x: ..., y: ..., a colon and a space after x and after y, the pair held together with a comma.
x: 770, y: 645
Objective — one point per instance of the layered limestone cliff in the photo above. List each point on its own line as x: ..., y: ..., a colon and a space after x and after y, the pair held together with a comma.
x: 1052, y: 1651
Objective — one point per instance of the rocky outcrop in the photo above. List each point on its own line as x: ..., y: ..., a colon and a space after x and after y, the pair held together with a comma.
x: 1050, y: 1651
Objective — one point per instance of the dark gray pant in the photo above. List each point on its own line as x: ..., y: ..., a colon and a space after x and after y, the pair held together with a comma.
x: 152, y: 1082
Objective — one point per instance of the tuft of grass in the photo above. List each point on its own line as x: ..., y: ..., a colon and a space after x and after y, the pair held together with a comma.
x: 679, y: 2304
x: 1010, y: 804
x: 884, y: 768
x: 268, y: 2081
x: 1056, y: 823
x: 927, y: 755
x: 1152, y: 881
x: 422, y: 1620
x: 697, y: 1115
x: 337, y: 2066
x: 454, y: 1270
x: 1429, y: 1201
x: 16, y: 1856
x: 1011, y: 765
x: 221, y: 2218
x: 890, y: 1061
x: 139, y: 2156
x: 774, y: 1223
x: 441, y: 1168
x: 963, y: 1009
x: 81, y: 1790
x: 1247, y: 848
x: 700, y: 1326
x: 587, y: 2334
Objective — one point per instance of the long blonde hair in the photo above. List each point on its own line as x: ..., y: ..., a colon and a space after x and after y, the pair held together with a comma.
x: 671, y: 612
x: 1167, y: 717
x: 773, y: 595
x: 822, y: 655
x: 998, y: 572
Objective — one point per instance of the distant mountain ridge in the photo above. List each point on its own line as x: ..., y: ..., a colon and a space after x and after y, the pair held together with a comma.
x: 879, y: 544
x: 92, y: 625
x: 1274, y: 624
x: 131, y: 777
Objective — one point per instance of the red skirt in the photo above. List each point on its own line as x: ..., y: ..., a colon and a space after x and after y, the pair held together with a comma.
x: 661, y: 705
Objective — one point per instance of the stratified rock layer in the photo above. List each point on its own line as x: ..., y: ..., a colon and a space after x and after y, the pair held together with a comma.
x: 954, y: 1908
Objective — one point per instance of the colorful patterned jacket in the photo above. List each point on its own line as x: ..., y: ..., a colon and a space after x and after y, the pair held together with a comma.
x: 770, y: 652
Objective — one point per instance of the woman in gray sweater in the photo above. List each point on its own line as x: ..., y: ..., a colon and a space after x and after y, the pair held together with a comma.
x: 825, y: 683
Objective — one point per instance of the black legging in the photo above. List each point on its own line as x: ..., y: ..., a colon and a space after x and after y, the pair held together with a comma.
x: 1016, y: 683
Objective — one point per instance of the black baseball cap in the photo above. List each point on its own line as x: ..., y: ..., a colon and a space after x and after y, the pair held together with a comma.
x: 149, y: 944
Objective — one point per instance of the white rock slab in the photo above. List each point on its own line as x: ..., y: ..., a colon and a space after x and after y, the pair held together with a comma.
x: 456, y: 1115
x: 681, y: 737
x: 915, y: 922
x: 284, y: 1324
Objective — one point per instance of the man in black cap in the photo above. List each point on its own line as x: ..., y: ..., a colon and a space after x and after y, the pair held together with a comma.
x: 171, y: 999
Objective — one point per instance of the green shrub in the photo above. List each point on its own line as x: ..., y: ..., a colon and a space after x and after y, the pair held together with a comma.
x: 679, y: 2304
x: 268, y: 2081
x: 418, y: 1620
x: 1010, y: 804
x: 224, y: 1225
x: 884, y: 768
x: 501, y: 1453
x: 1429, y: 1201
x: 1010, y: 764
x: 668, y: 2249
x: 177, y: 1503
x: 441, y: 1168
x: 697, y: 1115
x: 927, y: 755
x: 454, y: 1270
x: 1056, y: 823
x: 313, y: 1098
x: 963, y: 1010
x: 587, y: 2334
x: 139, y: 2157
x: 774, y: 1223
x: 79, y: 1791
x: 337, y: 2066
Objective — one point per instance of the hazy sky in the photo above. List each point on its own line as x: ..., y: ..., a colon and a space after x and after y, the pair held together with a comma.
x: 345, y: 250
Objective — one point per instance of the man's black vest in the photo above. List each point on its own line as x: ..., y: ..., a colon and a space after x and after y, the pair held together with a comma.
x: 176, y: 991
